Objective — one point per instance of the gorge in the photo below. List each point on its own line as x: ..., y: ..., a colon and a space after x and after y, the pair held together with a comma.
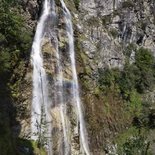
x: 77, y: 77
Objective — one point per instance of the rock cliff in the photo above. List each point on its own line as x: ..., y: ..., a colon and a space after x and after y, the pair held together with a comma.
x: 108, y: 33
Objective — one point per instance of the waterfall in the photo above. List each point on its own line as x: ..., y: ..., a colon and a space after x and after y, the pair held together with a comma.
x: 61, y: 99
x: 40, y: 102
x: 50, y: 99
x: 75, y: 86
x: 62, y: 104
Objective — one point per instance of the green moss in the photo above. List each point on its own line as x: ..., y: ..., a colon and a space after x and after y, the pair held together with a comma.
x: 84, y: 57
x: 125, y: 135
x: 40, y: 151
x: 97, y: 91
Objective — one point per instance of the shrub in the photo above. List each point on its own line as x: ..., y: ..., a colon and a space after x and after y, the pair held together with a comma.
x: 15, y: 39
x: 145, y: 62
x: 15, y: 42
x: 133, y: 142
x: 77, y: 2
x: 106, y: 78
x: 144, y: 59
x: 139, y: 76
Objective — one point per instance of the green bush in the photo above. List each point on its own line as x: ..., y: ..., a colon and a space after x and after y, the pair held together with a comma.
x: 135, y: 145
x: 139, y: 76
x: 133, y: 142
x: 77, y: 2
x: 15, y: 41
x: 108, y: 78
x: 145, y: 62
x: 15, y: 38
x: 144, y: 59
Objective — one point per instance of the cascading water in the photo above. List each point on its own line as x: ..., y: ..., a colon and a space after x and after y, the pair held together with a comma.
x: 61, y: 99
x: 41, y: 102
x: 61, y: 104
x: 75, y: 86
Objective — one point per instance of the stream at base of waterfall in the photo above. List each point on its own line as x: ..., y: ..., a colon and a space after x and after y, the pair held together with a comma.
x: 57, y: 122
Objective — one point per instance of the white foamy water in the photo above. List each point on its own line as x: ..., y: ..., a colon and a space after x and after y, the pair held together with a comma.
x: 61, y: 101
x: 75, y: 86
x: 40, y: 102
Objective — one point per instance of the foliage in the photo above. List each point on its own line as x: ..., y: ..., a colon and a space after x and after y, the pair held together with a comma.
x: 38, y: 150
x: 139, y: 76
x: 108, y: 78
x: 135, y: 106
x: 132, y: 83
x: 135, y: 145
x: 4, y: 61
x: 77, y: 3
x: 15, y: 39
x: 27, y: 147
x: 145, y: 63
x: 133, y: 142
x: 146, y: 119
